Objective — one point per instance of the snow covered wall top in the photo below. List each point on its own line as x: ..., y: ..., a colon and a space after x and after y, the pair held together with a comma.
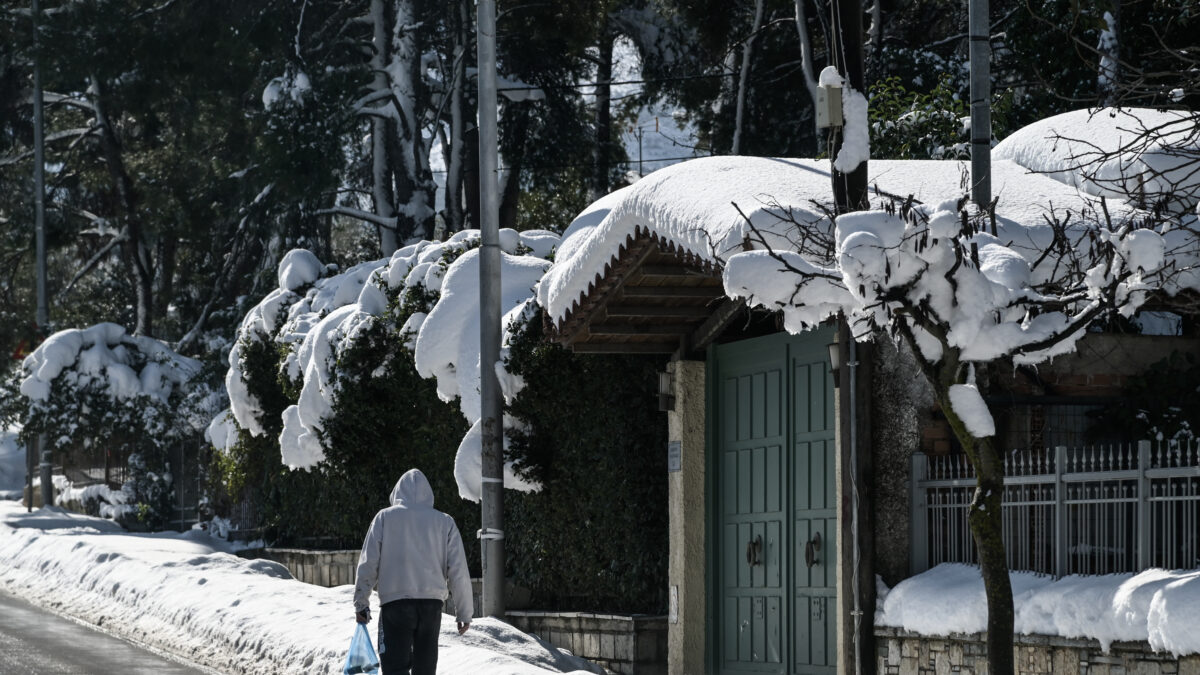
x: 1113, y: 152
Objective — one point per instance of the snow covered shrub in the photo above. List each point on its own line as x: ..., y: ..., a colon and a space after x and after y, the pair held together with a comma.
x: 592, y: 435
x: 101, y: 390
x: 346, y: 407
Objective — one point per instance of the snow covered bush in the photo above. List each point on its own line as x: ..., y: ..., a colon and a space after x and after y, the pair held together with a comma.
x: 328, y: 376
x: 99, y: 389
x: 351, y: 378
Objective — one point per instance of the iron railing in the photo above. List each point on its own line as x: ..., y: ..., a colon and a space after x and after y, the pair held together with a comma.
x: 1089, y: 510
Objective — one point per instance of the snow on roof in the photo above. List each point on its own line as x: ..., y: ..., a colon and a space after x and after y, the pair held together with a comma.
x: 1114, y: 152
x: 692, y: 205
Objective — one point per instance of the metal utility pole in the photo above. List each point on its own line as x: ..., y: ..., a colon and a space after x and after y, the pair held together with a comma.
x: 39, y: 211
x: 492, y: 421
x: 849, y: 189
x: 981, y: 101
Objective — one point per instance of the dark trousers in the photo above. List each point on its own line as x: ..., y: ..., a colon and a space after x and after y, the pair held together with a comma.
x: 408, y: 636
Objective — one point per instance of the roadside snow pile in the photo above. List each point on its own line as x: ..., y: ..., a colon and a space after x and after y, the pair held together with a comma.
x: 187, y: 594
x: 1115, y: 152
x: 317, y: 315
x: 12, y: 465
x: 1158, y: 606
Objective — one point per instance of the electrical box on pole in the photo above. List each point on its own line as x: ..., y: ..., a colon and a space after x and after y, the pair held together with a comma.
x: 829, y: 106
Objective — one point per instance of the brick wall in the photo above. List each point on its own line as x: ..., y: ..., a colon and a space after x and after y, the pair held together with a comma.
x: 621, y: 643
x: 904, y: 653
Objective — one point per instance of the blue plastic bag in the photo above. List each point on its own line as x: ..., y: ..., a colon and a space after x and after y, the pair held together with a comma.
x: 362, y: 657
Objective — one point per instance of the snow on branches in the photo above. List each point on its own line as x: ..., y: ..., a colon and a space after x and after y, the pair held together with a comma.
x: 964, y: 286
x: 427, y: 292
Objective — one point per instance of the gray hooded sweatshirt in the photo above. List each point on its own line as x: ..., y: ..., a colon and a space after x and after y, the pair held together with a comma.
x: 412, y: 551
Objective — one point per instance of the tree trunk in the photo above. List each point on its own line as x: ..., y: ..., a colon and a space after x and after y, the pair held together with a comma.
x: 806, y: 66
x: 414, y: 182
x: 744, y: 80
x: 382, y: 128
x: 471, y: 177
x: 456, y: 154
x: 603, y: 113
x: 510, y: 189
x: 1110, y: 57
x: 986, y: 519
x: 987, y: 528
x: 137, y: 255
x: 168, y: 245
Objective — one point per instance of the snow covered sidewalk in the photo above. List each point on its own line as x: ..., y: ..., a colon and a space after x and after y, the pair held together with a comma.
x: 189, y: 595
x: 1157, y: 606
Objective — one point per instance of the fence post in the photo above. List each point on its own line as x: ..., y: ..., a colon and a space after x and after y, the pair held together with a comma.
x: 1060, y: 512
x: 919, y: 513
x: 1143, y: 507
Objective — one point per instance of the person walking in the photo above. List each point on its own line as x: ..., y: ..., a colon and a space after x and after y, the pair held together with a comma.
x: 413, y: 554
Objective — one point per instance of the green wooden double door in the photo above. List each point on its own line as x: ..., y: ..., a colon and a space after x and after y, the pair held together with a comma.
x: 775, y: 505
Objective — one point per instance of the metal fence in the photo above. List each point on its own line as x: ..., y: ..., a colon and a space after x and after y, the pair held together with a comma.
x: 1088, y: 510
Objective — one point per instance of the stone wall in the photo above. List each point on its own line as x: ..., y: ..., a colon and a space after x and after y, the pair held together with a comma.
x: 903, y: 653
x: 320, y: 568
x: 621, y: 643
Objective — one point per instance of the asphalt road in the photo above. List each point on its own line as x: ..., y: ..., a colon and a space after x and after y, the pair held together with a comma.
x: 36, y: 642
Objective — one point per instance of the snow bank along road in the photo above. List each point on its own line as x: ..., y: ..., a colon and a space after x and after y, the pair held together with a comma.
x: 187, y: 594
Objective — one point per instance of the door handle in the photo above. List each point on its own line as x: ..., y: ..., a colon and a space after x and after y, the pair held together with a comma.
x: 754, y: 551
x: 811, y: 548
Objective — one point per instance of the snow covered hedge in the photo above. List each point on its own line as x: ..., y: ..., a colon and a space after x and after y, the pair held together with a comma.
x: 352, y: 377
x: 99, y: 389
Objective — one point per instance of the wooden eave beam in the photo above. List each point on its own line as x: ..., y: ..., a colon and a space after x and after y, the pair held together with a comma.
x: 708, y: 292
x: 712, y: 328
x: 658, y: 311
x: 625, y: 347
x: 640, y: 329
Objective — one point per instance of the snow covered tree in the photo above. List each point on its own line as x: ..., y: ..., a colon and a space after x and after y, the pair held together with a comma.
x: 964, y: 290
x: 128, y: 396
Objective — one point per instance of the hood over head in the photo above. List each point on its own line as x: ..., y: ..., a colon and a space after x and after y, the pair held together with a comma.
x: 412, y: 490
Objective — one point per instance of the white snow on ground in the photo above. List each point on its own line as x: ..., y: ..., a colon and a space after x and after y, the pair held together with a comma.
x: 12, y: 465
x: 1158, y: 606
x: 1114, y: 152
x: 189, y: 595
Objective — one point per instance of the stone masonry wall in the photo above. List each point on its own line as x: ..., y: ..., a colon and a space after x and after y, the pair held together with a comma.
x: 320, y: 568
x: 903, y: 653
x: 625, y: 644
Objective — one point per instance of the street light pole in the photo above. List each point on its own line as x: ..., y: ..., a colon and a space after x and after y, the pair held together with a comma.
x: 491, y: 421
x: 39, y: 211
